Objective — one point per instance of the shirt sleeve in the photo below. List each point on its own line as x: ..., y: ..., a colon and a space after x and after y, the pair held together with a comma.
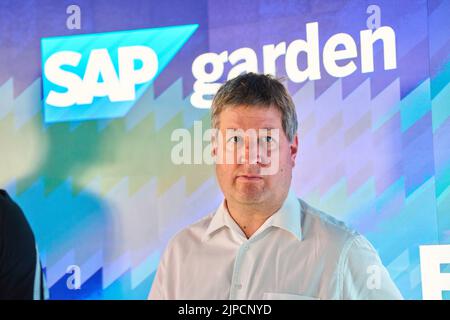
x: 157, y: 286
x: 158, y: 290
x: 363, y: 276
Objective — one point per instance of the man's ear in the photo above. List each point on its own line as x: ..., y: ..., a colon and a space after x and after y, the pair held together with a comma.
x: 294, y: 149
x: 214, y: 138
x: 213, y: 145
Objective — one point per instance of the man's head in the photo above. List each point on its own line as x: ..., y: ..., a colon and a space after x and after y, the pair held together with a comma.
x: 257, y: 126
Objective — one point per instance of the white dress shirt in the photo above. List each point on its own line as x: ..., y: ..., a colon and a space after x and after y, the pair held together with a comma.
x: 298, y: 253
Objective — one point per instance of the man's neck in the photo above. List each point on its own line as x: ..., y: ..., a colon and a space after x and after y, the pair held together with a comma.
x: 251, y: 217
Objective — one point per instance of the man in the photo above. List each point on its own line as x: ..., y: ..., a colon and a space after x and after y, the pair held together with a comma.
x: 21, y: 277
x: 263, y: 242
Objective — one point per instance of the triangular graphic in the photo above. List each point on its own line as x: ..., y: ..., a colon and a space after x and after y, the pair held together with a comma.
x: 165, y: 42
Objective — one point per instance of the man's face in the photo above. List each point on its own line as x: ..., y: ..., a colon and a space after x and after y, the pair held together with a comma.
x: 245, y: 180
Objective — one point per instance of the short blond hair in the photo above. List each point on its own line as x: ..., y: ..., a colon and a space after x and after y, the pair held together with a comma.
x: 257, y: 90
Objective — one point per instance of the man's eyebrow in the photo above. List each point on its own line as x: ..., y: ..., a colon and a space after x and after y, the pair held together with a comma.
x: 268, y: 129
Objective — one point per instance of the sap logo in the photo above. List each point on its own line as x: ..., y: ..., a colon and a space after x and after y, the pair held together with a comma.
x: 101, y: 76
x: 116, y: 86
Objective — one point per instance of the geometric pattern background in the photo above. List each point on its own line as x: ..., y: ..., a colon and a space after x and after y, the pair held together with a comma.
x: 104, y: 195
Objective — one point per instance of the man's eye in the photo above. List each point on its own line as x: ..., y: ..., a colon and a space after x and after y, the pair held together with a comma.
x: 234, y: 139
x: 267, y: 139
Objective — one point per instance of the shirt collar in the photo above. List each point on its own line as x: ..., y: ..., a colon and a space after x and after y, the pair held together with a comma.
x: 217, y: 221
x: 288, y: 218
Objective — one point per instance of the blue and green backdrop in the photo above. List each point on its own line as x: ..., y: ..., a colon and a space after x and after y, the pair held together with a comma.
x: 103, y: 194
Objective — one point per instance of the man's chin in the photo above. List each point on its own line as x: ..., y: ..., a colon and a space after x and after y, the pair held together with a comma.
x: 250, y: 196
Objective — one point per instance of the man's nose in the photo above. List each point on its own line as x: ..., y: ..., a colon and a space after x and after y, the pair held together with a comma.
x: 251, y: 152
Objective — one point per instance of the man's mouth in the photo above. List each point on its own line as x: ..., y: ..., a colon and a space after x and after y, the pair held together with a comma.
x: 249, y: 177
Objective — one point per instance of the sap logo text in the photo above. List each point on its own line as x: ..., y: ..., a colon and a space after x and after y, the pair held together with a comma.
x: 338, y: 56
x: 102, y: 76
x: 116, y: 86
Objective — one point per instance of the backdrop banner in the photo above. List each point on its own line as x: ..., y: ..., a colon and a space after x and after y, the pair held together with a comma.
x: 98, y: 97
